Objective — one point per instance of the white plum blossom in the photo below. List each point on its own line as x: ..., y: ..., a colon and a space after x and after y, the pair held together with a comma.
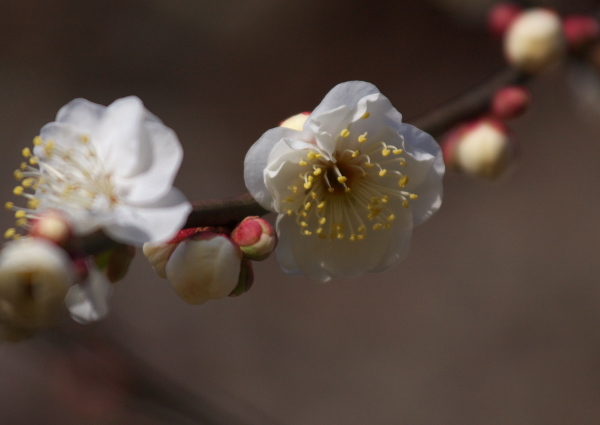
x: 106, y: 167
x: 348, y: 187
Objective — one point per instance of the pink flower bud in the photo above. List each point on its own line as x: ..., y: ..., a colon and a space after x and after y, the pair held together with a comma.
x: 580, y: 31
x: 535, y: 40
x: 256, y: 238
x: 53, y: 226
x: 501, y: 16
x: 482, y: 149
x: 510, y: 102
x: 204, y: 267
x: 245, y: 280
x: 295, y: 122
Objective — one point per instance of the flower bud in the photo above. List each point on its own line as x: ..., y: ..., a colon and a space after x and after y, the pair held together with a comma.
x: 256, y: 238
x: 510, y: 102
x: 501, y: 17
x: 535, y: 40
x: 245, y: 280
x: 159, y: 253
x: 483, y: 149
x: 53, y: 226
x: 34, y: 278
x: 295, y: 122
x: 580, y: 31
x: 203, y: 267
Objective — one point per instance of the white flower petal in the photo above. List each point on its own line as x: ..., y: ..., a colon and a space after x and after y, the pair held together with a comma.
x: 348, y: 93
x: 88, y: 301
x: 82, y: 114
x: 154, y: 222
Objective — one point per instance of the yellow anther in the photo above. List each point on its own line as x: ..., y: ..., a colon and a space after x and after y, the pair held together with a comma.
x: 318, y: 171
x: 321, y: 205
x: 303, y: 224
x: 391, y: 217
x: 347, y: 190
x: 355, y: 153
x: 85, y: 138
x: 9, y: 205
x: 363, y: 138
x: 361, y: 237
x: 33, y: 160
x: 322, y: 220
x: 405, y: 204
x: 313, y: 195
x: 20, y: 214
x: 308, y: 185
x: 402, y: 162
x: 318, y: 155
x: 319, y: 230
x: 307, y: 206
x: 345, y: 133
x: 290, y: 212
x: 23, y: 166
x: 362, y: 228
x: 352, y: 237
x: 331, y: 190
x: 311, y: 178
x: 312, y: 155
x: 50, y: 145
x: 414, y: 196
x: 397, y: 151
x: 366, y: 115
x: 294, y: 189
x: 307, y: 232
x: 377, y: 226
x: 289, y: 199
x: 386, y: 152
x: 304, y: 214
x: 303, y: 162
x: 341, y: 236
x: 403, y: 181
x: 22, y: 222
x: 342, y: 179
x: 33, y: 203
x: 26, y: 152
x: 18, y: 190
x: 28, y: 182
x: 369, y: 164
x: 385, y: 199
x: 18, y: 175
x: 37, y: 141
x: 383, y: 172
x: 10, y: 233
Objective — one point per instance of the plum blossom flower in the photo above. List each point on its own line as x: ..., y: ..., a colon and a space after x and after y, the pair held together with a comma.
x: 348, y: 187
x: 106, y: 167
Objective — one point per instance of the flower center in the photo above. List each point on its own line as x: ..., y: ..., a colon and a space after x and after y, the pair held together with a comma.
x: 62, y: 178
x: 354, y: 193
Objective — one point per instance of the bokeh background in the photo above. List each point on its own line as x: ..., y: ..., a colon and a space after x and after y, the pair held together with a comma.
x: 493, y: 319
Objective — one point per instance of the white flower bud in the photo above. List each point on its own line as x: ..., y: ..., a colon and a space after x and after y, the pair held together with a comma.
x: 35, y: 276
x: 255, y: 237
x: 158, y: 254
x: 295, y: 122
x: 485, y: 149
x: 535, y: 40
x: 204, y: 267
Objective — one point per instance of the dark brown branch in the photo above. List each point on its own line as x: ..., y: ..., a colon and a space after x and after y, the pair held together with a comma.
x: 224, y: 212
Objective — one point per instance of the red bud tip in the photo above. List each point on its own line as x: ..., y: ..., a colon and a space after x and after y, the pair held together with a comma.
x: 501, y: 16
x: 510, y: 102
x: 580, y: 31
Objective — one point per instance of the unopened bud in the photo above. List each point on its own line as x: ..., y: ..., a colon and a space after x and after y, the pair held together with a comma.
x: 245, y: 280
x: 295, y: 122
x: 158, y: 254
x: 483, y: 149
x: 510, y: 102
x: 256, y: 238
x: 35, y: 276
x: 580, y: 31
x: 53, y: 226
x: 204, y: 267
x: 501, y: 17
x: 535, y: 40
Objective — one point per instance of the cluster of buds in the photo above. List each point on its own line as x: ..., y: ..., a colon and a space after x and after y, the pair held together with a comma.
x: 537, y: 38
x: 210, y: 263
x: 42, y: 276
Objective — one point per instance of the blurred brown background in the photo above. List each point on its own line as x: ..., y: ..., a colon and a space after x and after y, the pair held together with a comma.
x: 493, y: 319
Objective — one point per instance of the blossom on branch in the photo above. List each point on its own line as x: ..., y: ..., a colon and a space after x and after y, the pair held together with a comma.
x: 106, y: 167
x: 349, y: 185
